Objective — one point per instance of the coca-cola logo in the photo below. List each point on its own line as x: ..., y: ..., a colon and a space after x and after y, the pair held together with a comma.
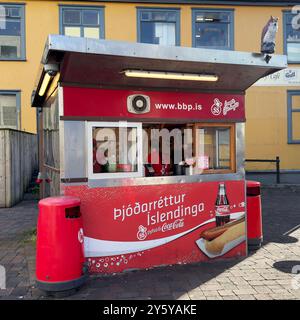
x: 143, y: 232
x: 224, y: 209
x: 179, y: 223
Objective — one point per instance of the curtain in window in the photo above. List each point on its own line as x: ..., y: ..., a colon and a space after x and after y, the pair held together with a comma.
x: 165, y: 32
x: 8, y: 111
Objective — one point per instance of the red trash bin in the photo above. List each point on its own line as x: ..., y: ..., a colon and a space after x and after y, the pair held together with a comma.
x: 254, y: 215
x: 59, y: 257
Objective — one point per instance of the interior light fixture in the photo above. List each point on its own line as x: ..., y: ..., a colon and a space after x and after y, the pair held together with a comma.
x: 44, y: 85
x: 170, y: 75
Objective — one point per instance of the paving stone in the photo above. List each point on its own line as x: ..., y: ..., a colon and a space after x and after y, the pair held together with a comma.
x: 238, y: 280
x: 228, y: 286
x: 255, y: 283
x: 268, y: 282
x: 19, y: 291
x: 246, y: 297
x: 244, y: 291
x: 211, y: 293
x: 196, y: 295
x: 199, y: 298
x: 231, y: 298
x: 5, y: 292
x: 223, y: 293
x: 224, y: 280
x: 262, y: 289
x: 263, y: 296
x: 214, y: 298
x: 211, y: 287
x: 277, y: 296
x: 36, y: 293
x: 277, y: 289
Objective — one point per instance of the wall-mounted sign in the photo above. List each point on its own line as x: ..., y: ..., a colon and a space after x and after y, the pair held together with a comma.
x: 286, y: 77
x: 128, y: 104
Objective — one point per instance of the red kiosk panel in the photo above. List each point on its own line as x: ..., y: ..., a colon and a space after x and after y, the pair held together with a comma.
x: 144, y: 226
x: 87, y: 102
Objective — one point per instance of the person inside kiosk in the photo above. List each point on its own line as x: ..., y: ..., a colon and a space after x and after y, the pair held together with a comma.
x: 127, y: 149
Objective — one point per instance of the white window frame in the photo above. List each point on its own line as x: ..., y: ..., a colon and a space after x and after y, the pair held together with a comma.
x: 82, y: 8
x: 114, y: 175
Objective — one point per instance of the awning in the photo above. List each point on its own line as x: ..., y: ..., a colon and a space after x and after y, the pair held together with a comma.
x: 101, y: 63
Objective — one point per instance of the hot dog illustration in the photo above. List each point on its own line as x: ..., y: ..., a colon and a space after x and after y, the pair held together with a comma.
x: 213, y: 233
x: 233, y: 232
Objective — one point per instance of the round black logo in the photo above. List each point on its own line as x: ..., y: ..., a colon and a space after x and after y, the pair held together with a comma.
x: 139, y: 103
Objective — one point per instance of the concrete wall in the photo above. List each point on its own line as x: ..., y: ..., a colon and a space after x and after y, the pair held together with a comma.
x: 18, y: 160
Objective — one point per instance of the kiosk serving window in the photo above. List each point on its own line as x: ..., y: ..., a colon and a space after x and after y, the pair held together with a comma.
x: 115, y: 150
x: 189, y: 149
x: 215, y: 148
x: 125, y: 149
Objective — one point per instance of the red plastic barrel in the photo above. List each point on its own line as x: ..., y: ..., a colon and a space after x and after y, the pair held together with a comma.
x: 59, y: 256
x: 254, y: 215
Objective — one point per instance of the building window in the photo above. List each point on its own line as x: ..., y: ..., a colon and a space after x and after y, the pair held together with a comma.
x: 291, y: 33
x: 159, y: 26
x: 12, y: 32
x: 85, y: 22
x: 213, y: 29
x: 294, y: 117
x: 10, y: 109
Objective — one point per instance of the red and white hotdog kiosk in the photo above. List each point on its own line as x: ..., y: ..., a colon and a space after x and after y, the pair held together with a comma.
x: 151, y: 140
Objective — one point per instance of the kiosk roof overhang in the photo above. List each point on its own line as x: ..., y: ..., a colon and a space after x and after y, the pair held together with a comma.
x: 101, y: 63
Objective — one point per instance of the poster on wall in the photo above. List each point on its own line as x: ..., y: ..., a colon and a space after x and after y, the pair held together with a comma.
x: 138, y: 227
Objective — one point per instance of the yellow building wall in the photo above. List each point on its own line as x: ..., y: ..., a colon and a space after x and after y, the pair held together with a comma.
x: 266, y: 127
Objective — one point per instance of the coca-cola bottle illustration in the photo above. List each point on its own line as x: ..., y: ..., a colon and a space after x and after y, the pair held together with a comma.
x: 222, y: 208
